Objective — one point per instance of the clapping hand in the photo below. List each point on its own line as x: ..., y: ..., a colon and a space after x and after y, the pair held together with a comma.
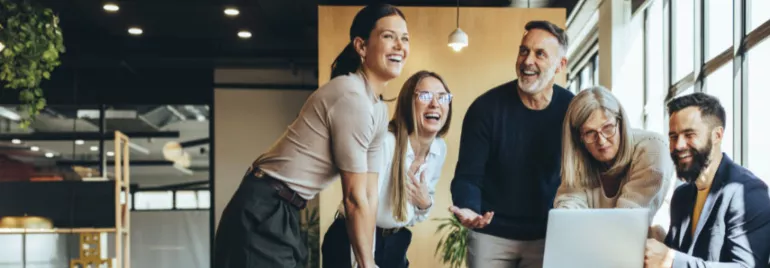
x: 471, y: 219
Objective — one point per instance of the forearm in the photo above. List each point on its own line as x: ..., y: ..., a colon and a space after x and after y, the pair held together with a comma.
x: 682, y: 260
x: 360, y: 222
x: 570, y: 198
x: 360, y: 201
x: 466, y: 194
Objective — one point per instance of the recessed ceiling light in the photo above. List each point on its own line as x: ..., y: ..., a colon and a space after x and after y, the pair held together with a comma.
x: 232, y: 12
x: 135, y: 30
x: 111, y: 7
x: 110, y: 154
x: 16, y: 141
x: 94, y: 148
x: 34, y: 148
x: 79, y: 142
x: 244, y: 34
x: 49, y: 155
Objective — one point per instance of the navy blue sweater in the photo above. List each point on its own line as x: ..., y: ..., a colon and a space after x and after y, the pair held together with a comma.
x: 509, y: 161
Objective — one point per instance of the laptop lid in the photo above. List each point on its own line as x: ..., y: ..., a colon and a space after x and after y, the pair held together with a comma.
x: 596, y: 238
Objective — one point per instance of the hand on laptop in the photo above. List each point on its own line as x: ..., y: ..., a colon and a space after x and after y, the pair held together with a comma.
x: 658, y: 255
x: 471, y: 219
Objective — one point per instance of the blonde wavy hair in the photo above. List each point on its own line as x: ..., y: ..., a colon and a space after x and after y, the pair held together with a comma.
x: 579, y: 169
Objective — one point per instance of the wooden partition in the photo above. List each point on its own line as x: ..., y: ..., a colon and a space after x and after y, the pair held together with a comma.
x: 489, y: 60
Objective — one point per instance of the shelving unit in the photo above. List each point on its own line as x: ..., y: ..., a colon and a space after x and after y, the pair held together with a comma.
x: 122, y: 228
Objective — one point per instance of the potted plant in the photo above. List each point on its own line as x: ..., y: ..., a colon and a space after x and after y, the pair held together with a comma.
x: 453, y: 244
x: 31, y: 43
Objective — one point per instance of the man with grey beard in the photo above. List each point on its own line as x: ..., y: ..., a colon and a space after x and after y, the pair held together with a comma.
x: 720, y: 217
x: 508, y: 167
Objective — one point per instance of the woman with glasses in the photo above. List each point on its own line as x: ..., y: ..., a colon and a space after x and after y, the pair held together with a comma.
x: 607, y: 164
x: 414, y: 153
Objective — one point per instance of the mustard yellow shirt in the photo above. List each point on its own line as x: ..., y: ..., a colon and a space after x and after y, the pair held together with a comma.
x: 699, y: 202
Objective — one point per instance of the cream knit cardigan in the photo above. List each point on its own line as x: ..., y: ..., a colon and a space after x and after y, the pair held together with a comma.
x: 645, y: 185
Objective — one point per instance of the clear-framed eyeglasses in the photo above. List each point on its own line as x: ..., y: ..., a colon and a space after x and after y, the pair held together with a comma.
x: 607, y: 132
x: 427, y: 97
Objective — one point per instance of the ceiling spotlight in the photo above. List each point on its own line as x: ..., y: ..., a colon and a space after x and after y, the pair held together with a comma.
x: 232, y: 12
x: 111, y: 7
x: 94, y: 148
x: 79, y: 142
x: 244, y: 34
x: 49, y: 155
x: 35, y: 148
x: 135, y: 30
x: 110, y: 154
x: 16, y: 141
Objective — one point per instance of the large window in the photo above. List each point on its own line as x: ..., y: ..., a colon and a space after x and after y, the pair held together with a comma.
x: 759, y: 13
x: 683, y: 38
x: 720, y: 85
x: 758, y: 110
x: 629, y: 89
x: 719, y: 27
x: 725, y: 76
x: 656, y: 87
x: 585, y: 75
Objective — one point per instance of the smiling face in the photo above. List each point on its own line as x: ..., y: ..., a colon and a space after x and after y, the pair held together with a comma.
x: 386, y: 50
x: 539, y: 60
x: 599, y: 136
x: 691, y: 141
x: 431, y: 105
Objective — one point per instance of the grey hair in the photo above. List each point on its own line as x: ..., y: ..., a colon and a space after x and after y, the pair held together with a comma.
x: 579, y: 168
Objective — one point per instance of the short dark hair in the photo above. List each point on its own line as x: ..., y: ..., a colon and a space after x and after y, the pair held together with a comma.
x: 551, y: 28
x: 709, y: 106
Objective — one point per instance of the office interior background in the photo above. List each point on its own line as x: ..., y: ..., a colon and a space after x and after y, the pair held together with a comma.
x: 200, y: 88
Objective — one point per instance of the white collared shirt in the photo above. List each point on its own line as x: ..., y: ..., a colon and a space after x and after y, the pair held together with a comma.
x: 434, y: 161
x: 432, y: 169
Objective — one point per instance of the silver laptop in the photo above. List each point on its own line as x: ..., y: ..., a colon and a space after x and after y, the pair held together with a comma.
x: 596, y: 238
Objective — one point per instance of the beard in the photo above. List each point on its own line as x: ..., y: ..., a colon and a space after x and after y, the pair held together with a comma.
x: 700, y: 160
x: 539, y: 84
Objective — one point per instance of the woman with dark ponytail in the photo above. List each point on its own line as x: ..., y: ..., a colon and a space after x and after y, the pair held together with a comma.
x: 414, y: 153
x: 338, y: 133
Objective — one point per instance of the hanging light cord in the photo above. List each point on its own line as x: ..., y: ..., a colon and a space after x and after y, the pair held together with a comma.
x: 458, y: 13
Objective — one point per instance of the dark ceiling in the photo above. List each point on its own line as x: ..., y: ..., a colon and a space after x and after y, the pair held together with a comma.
x: 172, y: 62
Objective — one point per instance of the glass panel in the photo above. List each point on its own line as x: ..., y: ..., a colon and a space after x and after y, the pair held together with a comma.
x: 573, y: 86
x: 656, y: 89
x: 683, y: 39
x: 629, y: 89
x: 758, y: 109
x: 689, y: 90
x: 586, y: 77
x: 204, y: 199
x: 719, y: 27
x: 596, y: 69
x: 154, y: 200
x: 760, y: 13
x: 720, y: 85
x: 186, y: 199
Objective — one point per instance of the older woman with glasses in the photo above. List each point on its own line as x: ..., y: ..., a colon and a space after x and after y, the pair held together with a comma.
x: 607, y: 164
